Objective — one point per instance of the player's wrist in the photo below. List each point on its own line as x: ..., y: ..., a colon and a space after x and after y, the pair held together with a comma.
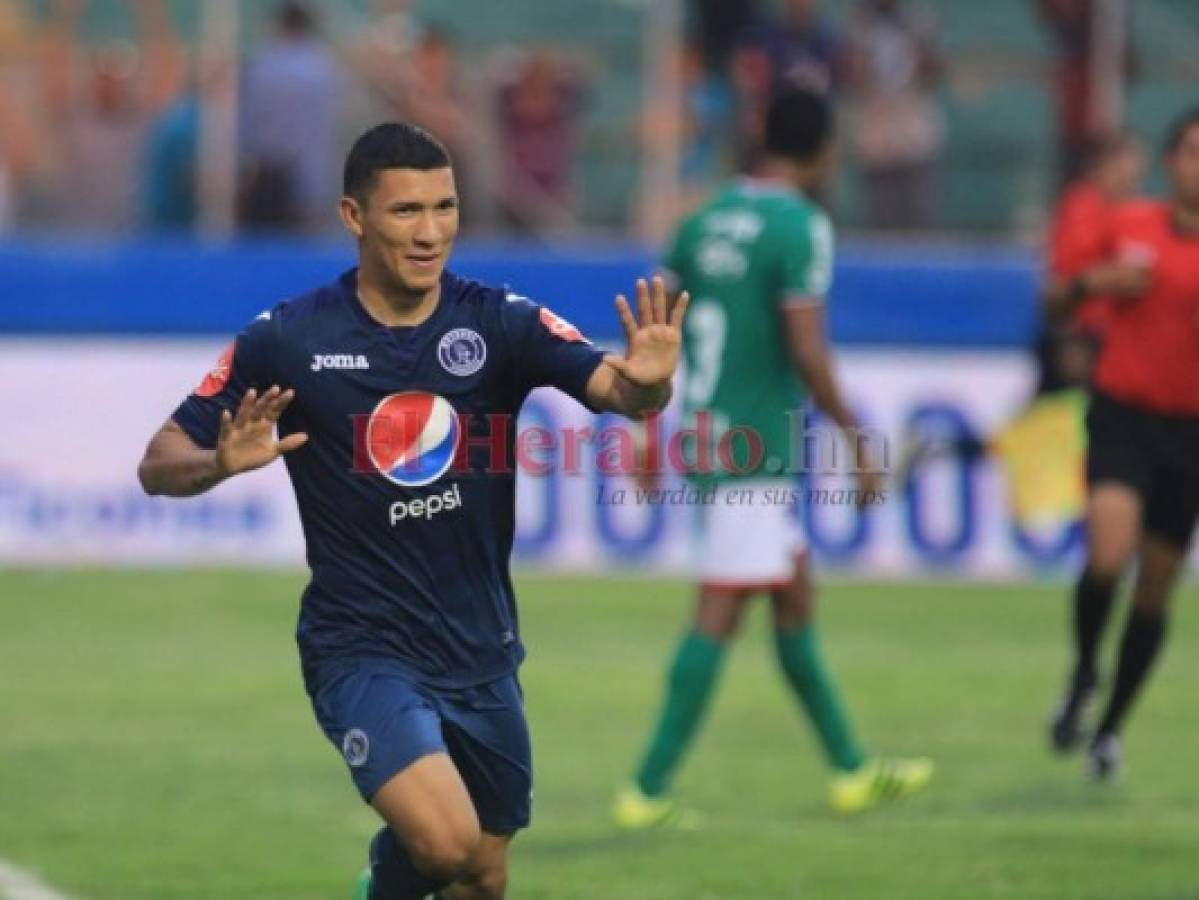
x: 846, y: 421
x: 655, y: 397
x: 221, y: 467
x: 1080, y: 287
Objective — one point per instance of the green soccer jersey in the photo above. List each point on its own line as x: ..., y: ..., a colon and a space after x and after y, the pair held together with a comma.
x: 751, y: 249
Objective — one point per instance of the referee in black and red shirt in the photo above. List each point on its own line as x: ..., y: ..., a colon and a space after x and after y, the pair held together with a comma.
x: 1143, y: 431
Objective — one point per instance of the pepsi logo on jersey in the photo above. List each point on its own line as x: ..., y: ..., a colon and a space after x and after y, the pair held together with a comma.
x: 411, y: 437
x: 425, y: 507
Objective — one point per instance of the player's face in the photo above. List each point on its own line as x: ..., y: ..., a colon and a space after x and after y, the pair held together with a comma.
x: 1183, y: 165
x: 407, y: 225
x: 1121, y: 174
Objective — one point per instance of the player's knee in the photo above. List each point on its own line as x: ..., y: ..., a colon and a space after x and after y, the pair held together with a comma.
x: 447, y: 855
x: 1151, y: 606
x: 718, y: 614
x: 720, y: 631
x: 1106, y: 565
x: 793, y: 608
x: 1152, y: 592
x: 1109, y: 554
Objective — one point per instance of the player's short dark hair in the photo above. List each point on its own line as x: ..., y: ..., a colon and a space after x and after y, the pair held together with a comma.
x: 294, y: 17
x: 1177, y: 132
x: 799, y: 123
x: 392, y: 145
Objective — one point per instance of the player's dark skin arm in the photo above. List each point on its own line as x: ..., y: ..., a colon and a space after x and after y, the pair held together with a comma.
x: 803, y: 324
x: 1107, y: 279
x: 804, y: 327
x: 175, y: 466
x: 639, y: 383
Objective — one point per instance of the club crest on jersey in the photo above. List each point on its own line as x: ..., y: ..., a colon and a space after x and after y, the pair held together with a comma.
x: 356, y: 747
x: 462, y: 351
x: 559, y: 327
x: 411, y: 437
x: 339, y: 361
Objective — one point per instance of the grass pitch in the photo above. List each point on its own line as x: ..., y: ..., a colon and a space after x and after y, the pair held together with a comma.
x: 156, y: 744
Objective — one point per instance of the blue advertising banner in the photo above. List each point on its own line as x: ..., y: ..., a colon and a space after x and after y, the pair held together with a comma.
x: 888, y: 296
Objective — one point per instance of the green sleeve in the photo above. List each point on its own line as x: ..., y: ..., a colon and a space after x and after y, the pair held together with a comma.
x: 674, y: 259
x: 807, y: 256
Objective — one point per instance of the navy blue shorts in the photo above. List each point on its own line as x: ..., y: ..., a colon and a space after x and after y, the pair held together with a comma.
x: 382, y: 721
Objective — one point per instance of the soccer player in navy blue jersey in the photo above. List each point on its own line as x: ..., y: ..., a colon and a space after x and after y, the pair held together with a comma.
x: 384, y: 391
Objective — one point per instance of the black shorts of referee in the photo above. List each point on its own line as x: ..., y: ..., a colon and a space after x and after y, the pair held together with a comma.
x: 1156, y: 455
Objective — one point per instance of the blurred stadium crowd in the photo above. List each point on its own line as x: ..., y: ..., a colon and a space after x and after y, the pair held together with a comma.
x: 147, y: 115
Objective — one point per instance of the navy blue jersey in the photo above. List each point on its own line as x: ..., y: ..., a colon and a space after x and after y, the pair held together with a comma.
x: 406, y: 486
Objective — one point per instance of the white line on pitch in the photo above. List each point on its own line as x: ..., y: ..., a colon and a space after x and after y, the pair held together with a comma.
x: 21, y: 884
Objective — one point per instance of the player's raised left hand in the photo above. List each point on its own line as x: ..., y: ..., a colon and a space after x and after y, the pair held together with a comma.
x: 654, y: 336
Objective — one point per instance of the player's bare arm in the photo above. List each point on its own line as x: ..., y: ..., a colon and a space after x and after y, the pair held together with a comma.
x: 176, y: 466
x: 804, y: 324
x: 639, y: 383
x: 1121, y: 280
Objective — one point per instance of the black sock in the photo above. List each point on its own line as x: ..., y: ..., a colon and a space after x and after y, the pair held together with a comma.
x: 1092, y: 605
x: 1142, y: 639
x: 393, y: 876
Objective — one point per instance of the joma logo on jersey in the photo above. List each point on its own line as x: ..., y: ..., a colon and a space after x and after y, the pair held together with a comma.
x: 339, y: 361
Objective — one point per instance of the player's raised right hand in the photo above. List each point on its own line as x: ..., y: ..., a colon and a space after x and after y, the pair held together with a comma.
x: 247, y: 439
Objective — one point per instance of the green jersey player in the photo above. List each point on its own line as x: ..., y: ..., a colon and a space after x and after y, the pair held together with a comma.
x: 757, y: 261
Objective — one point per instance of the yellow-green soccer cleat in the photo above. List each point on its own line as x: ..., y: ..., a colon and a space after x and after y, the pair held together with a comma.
x: 634, y: 811
x: 877, y: 781
x: 362, y: 890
